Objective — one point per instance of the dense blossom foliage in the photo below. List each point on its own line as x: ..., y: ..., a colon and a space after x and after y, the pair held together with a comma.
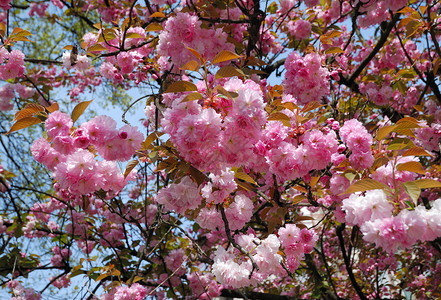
x: 287, y: 150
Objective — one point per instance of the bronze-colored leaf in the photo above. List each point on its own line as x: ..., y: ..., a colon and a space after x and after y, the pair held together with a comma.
x: 149, y: 140
x: 23, y: 123
x: 384, y: 131
x: 411, y: 166
x: 245, y: 177
x: 192, y: 97
x: 192, y: 65
x: 428, y: 183
x: 130, y: 166
x: 79, y: 110
x: 364, y: 185
x: 416, y: 151
x: 181, y: 86
x: 28, y: 111
x: 53, y: 107
x: 278, y: 116
x: 224, y: 55
x: 229, y: 71
x: 154, y: 27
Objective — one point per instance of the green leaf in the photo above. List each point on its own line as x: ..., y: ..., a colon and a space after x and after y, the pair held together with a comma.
x: 413, y: 190
x: 79, y: 110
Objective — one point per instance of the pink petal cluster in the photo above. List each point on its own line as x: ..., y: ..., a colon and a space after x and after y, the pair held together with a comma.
x: 75, y: 168
x: 134, y: 292
x: 359, y: 141
x: 299, y: 29
x: 373, y: 214
x: 185, y: 30
x: 234, y: 272
x: 296, y: 242
x: 180, y: 196
x: 360, y: 209
x: 11, y: 64
x: 305, y: 78
x: 21, y: 293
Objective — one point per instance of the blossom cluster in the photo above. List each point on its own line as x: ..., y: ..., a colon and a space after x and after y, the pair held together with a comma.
x: 75, y: 167
x: 305, y: 78
x: 21, y: 293
x: 238, y: 272
x: 134, y: 292
x: 373, y: 213
x: 185, y: 29
x: 359, y: 142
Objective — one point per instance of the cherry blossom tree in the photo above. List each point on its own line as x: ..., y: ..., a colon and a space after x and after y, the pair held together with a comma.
x: 289, y: 149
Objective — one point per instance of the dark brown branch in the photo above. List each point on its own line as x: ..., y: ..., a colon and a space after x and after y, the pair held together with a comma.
x: 233, y: 242
x: 383, y: 38
x: 347, y: 261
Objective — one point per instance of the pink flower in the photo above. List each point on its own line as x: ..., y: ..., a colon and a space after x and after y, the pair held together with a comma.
x: 58, y: 123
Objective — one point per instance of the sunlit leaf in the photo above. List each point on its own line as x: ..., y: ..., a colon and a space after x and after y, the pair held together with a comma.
x: 229, y: 71
x: 23, y: 123
x: 244, y: 177
x: 181, y: 86
x: 364, y: 185
x: 130, y: 166
x: 154, y: 27
x: 157, y: 15
x: 28, y: 111
x: 149, y: 140
x: 278, y: 116
x: 192, y: 65
x: 413, y: 190
x: 224, y: 55
x: 192, y: 97
x: 334, y: 50
x: 298, y: 199
x: 97, y: 47
x: 411, y: 166
x: 133, y: 35
x: 428, y: 183
x: 79, y: 110
x: 311, y: 106
x: 416, y: 151
x: 384, y: 131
